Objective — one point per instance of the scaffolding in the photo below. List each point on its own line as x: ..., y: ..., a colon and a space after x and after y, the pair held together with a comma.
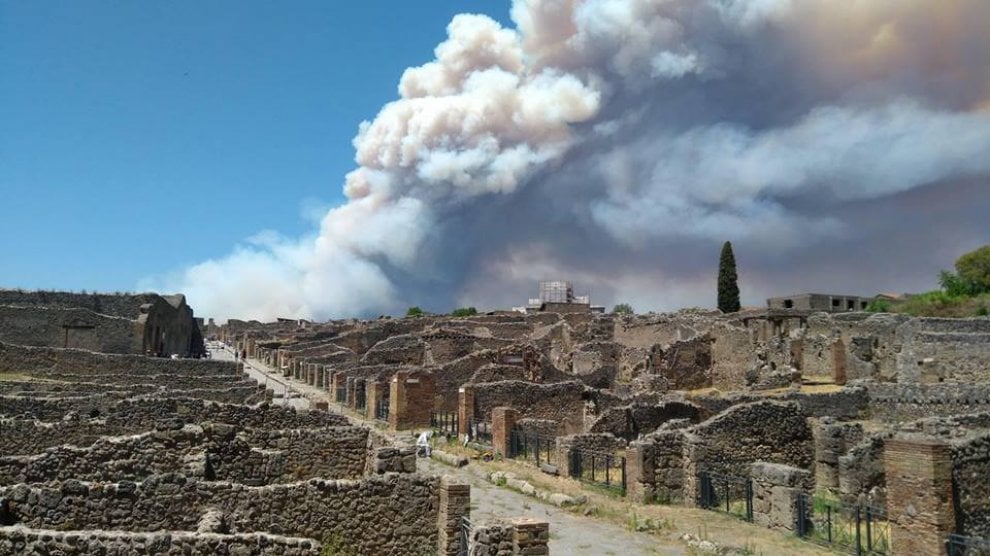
x: 556, y: 291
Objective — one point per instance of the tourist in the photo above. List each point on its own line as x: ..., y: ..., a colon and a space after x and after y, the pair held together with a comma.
x: 423, y: 444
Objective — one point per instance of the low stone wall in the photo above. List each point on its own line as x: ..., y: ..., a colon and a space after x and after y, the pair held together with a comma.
x: 67, y: 422
x: 905, y: 402
x: 142, y: 414
x: 510, y: 537
x: 40, y: 361
x: 21, y: 540
x: 850, y: 402
x: 214, y: 452
x: 390, y: 514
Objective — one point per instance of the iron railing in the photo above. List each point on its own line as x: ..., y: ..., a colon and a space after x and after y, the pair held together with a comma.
x: 445, y: 422
x: 360, y: 397
x: 480, y: 431
x: 961, y: 545
x: 731, y: 494
x: 533, y: 446
x: 601, y: 468
x: 341, y: 394
x: 381, y: 409
x: 854, y: 528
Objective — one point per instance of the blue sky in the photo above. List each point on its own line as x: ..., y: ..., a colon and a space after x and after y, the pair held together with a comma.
x: 140, y: 137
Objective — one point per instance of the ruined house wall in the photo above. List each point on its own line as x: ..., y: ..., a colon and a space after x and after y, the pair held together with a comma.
x: 970, y: 470
x: 562, y: 402
x: 397, y: 350
x: 314, y: 509
x: 944, y: 350
x: 767, y: 431
x: 69, y: 328
x: 630, y: 421
x: 732, y: 355
x: 906, y: 402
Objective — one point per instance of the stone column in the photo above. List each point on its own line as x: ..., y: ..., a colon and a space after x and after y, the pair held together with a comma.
x: 503, y: 421
x: 640, y: 472
x: 530, y: 536
x: 454, y: 507
x: 776, y: 490
x: 920, y: 504
x: 465, y: 409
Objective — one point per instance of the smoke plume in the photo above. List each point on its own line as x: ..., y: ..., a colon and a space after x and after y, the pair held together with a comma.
x: 617, y: 143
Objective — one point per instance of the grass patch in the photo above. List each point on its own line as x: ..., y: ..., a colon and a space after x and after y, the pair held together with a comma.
x: 938, y: 303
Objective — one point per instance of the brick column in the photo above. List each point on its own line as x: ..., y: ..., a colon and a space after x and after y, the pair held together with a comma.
x: 530, y: 536
x: 503, y: 421
x: 411, y: 400
x: 455, y: 505
x: 919, y: 495
x: 375, y: 391
x: 465, y: 409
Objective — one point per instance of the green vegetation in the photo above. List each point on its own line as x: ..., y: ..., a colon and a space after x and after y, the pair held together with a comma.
x: 622, y: 309
x: 414, y: 312
x: 728, y: 286
x: 963, y: 293
x: 464, y: 312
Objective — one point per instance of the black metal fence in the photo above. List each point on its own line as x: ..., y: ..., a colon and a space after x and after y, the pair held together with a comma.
x: 360, y: 397
x: 601, y: 468
x: 381, y: 409
x: 854, y: 528
x: 480, y: 431
x: 445, y: 422
x: 961, y: 545
x: 731, y: 494
x: 533, y: 446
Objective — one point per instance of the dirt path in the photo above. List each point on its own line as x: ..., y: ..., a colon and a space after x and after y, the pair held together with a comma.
x: 569, y: 533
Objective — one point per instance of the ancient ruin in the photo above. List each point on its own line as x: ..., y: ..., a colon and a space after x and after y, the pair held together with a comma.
x: 815, y: 424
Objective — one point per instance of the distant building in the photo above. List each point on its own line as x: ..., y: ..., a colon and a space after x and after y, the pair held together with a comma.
x: 145, y: 323
x: 557, y: 296
x: 832, y: 303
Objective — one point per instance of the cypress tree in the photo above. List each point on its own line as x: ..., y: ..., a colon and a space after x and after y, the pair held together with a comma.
x: 728, y: 287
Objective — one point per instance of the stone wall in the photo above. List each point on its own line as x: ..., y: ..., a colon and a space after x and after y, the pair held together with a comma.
x: 971, y: 479
x: 396, y: 513
x: 40, y: 361
x: 767, y: 431
x: 776, y: 490
x: 562, y: 402
x: 906, y: 402
x: 69, y: 328
x: 631, y: 421
x: 66, y: 421
x: 21, y: 540
x: 256, y: 456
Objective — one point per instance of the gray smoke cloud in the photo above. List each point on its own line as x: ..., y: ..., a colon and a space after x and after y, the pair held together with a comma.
x: 617, y: 143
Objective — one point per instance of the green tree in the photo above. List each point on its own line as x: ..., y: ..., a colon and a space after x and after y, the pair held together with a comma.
x: 464, y: 312
x: 728, y: 287
x: 622, y: 309
x: 414, y: 312
x: 973, y: 269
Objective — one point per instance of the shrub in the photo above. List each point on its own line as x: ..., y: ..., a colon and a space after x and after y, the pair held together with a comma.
x: 622, y: 309
x: 464, y: 312
x: 414, y: 312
